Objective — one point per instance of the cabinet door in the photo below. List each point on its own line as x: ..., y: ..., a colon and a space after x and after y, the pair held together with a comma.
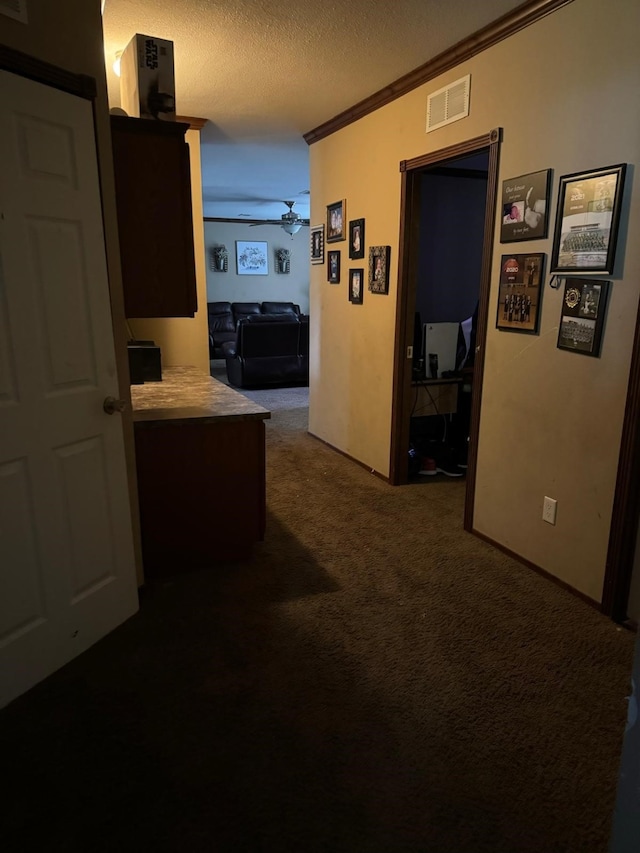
x: 153, y: 196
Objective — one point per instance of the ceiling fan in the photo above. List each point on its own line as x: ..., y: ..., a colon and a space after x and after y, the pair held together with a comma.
x: 291, y: 221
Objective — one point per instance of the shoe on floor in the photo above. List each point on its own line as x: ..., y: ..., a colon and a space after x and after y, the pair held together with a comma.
x: 448, y: 470
x: 428, y: 467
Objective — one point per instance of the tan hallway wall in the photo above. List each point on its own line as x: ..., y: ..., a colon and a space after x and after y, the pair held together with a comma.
x: 551, y: 420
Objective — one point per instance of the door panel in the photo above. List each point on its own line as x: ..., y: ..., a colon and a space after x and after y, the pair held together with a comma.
x: 67, y: 574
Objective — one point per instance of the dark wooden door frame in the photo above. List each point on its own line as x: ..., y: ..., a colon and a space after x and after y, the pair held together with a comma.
x: 626, y: 501
x: 409, y: 224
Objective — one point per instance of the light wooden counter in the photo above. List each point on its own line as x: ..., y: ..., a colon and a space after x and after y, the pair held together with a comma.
x: 186, y: 395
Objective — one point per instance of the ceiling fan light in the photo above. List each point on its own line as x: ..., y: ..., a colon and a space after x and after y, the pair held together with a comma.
x: 292, y: 227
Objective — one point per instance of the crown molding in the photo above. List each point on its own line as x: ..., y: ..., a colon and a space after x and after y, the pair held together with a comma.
x: 193, y: 122
x: 504, y: 27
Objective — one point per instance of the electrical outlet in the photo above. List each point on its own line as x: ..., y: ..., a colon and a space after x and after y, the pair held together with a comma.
x: 549, y: 508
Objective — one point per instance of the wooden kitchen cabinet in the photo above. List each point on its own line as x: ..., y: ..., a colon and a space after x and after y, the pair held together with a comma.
x: 155, y: 224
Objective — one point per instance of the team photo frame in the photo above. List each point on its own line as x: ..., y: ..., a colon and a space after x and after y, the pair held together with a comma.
x: 520, y: 292
x: 587, y: 221
x: 584, y: 304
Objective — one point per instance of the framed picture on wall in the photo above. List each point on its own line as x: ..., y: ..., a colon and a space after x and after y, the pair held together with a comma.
x: 379, y: 257
x: 336, y: 221
x: 520, y: 292
x: 356, y: 239
x: 317, y: 244
x: 356, y: 286
x: 333, y: 267
x: 525, y: 202
x: 582, y: 317
x: 587, y: 221
x: 251, y: 257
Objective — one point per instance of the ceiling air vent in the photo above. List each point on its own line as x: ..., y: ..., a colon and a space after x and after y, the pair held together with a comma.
x: 448, y: 104
x: 14, y: 9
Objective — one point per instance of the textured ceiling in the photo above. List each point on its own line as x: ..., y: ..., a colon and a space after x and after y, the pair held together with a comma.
x: 264, y: 72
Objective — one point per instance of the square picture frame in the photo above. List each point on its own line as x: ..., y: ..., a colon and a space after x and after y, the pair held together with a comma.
x: 356, y: 285
x: 252, y: 257
x: 520, y: 292
x: 379, y: 258
x: 356, y: 239
x: 584, y: 304
x: 587, y: 221
x: 316, y: 237
x: 336, y: 221
x: 525, y: 205
x: 333, y: 267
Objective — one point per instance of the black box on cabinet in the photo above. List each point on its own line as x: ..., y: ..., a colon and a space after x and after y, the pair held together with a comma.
x: 145, y: 363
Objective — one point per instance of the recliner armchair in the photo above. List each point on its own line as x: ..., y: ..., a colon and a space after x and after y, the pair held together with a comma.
x: 269, y: 350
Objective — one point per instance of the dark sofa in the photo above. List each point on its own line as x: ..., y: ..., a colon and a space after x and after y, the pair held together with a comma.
x: 224, y: 317
x: 269, y: 350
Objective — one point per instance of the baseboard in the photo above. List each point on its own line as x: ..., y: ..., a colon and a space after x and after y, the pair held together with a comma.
x: 350, y: 458
x: 540, y: 571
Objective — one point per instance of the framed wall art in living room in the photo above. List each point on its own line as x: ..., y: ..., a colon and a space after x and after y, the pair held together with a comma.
x: 251, y: 257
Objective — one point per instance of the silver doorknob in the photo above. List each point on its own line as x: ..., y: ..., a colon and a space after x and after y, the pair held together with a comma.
x: 111, y: 405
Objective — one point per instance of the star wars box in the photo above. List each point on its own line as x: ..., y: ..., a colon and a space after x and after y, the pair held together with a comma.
x: 147, y: 84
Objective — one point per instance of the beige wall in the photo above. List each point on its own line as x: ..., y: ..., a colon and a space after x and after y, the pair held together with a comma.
x: 231, y: 287
x: 68, y: 34
x: 185, y: 340
x: 564, y: 91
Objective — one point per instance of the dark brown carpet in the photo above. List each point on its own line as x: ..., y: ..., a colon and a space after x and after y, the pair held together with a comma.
x: 375, y: 680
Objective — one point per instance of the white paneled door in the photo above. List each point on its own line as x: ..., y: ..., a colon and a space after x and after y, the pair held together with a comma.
x: 67, y: 573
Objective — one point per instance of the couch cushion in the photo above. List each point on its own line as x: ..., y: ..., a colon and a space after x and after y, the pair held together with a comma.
x: 244, y: 309
x: 271, y: 318
x: 280, y: 308
x: 220, y: 317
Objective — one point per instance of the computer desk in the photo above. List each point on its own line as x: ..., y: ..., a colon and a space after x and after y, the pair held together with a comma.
x: 435, y: 396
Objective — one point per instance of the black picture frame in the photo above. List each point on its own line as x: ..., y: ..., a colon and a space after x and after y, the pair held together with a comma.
x: 356, y: 285
x: 520, y: 292
x: 356, y: 239
x: 316, y: 239
x: 584, y: 304
x: 525, y: 207
x: 336, y: 221
x: 333, y: 267
x: 587, y: 221
x: 379, y: 257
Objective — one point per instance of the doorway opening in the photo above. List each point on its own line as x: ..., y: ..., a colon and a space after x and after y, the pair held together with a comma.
x: 446, y: 243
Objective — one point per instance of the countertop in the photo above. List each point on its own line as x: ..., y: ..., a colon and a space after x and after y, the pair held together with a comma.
x: 185, y: 395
